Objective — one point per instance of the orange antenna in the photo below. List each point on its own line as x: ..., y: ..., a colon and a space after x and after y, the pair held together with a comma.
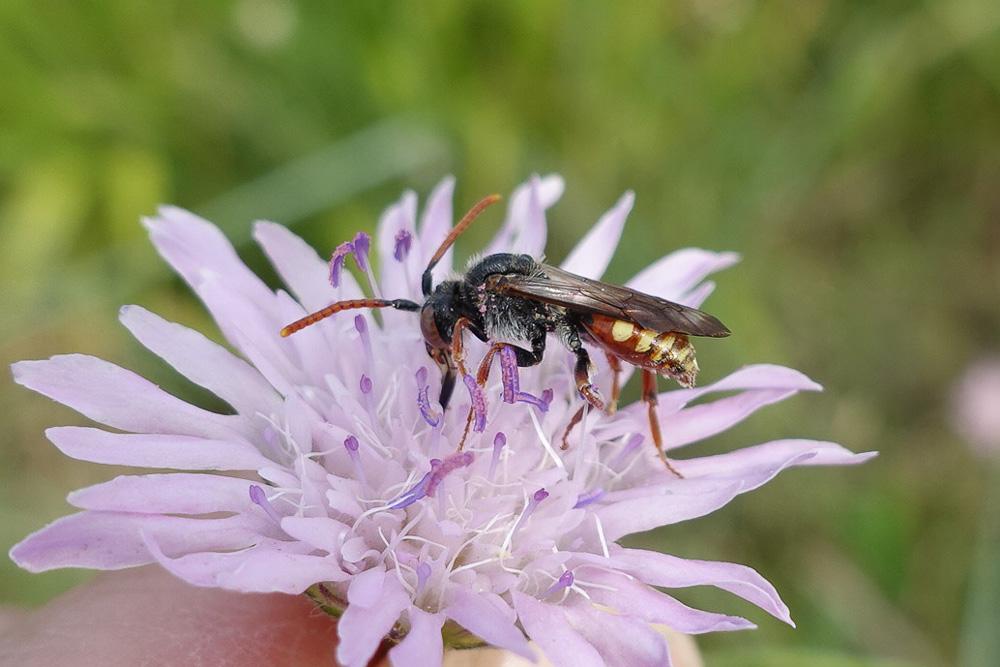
x: 456, y: 231
x: 323, y: 313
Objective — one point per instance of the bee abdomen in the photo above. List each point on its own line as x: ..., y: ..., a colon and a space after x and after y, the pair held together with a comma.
x: 666, y: 352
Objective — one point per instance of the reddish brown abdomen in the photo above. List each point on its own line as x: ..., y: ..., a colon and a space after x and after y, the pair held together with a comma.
x: 665, y: 352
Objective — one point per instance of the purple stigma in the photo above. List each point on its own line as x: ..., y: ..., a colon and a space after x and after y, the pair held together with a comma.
x: 453, y: 462
x: 512, y: 383
x: 365, y: 384
x: 351, y: 443
x: 423, y: 402
x: 478, y: 404
x: 423, y: 574
x: 591, y: 496
x: 540, y: 495
x: 337, y: 261
x: 259, y: 498
x: 565, y: 581
x: 499, y: 442
x: 361, y: 324
x: 416, y: 492
x: 361, y: 243
x: 404, y: 241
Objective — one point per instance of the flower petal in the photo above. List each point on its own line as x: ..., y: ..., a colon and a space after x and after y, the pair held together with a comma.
x: 659, y: 569
x: 111, y: 395
x: 628, y: 596
x: 680, y: 271
x: 783, y: 453
x: 321, y: 532
x: 622, y: 641
x: 548, y: 190
x: 155, y: 451
x: 269, y: 566
x: 366, y: 587
x: 483, y: 618
x: 636, y: 515
x: 593, y: 253
x: 301, y: 268
x: 702, y: 421
x: 361, y: 629
x: 176, y: 493
x: 546, y: 624
x: 422, y: 646
x: 112, y: 540
x: 435, y: 225
x: 395, y: 280
x: 202, y: 361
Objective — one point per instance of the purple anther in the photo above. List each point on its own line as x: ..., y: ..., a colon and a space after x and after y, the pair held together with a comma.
x: 540, y: 495
x: 565, y: 581
x: 259, y: 498
x: 478, y: 404
x: 508, y: 371
x: 351, y: 444
x: 439, y: 472
x: 415, y: 493
x: 337, y: 261
x: 499, y: 442
x: 633, y: 443
x: 361, y: 324
x: 591, y: 496
x: 361, y: 243
x: 404, y: 241
x: 423, y: 402
x: 365, y: 384
x: 423, y: 574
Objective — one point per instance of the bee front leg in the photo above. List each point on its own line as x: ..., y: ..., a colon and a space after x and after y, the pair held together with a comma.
x: 649, y: 396
x: 616, y: 387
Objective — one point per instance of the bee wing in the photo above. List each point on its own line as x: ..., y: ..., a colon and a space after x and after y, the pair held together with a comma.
x: 583, y: 295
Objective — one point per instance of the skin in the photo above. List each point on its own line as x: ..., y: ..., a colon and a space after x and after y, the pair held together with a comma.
x: 145, y: 616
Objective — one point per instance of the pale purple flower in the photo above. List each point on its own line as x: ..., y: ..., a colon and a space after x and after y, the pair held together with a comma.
x: 975, y: 407
x: 349, y: 484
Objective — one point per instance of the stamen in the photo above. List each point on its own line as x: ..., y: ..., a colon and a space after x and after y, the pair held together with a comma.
x: 258, y: 497
x: 512, y: 383
x: 361, y: 326
x: 352, y: 445
x: 592, y: 496
x: 423, y: 574
x: 453, y: 462
x: 633, y: 443
x: 423, y: 402
x: 404, y: 241
x: 418, y: 491
x: 337, y: 261
x: 365, y: 384
x: 361, y: 244
x: 565, y: 581
x: 499, y: 441
x: 478, y: 403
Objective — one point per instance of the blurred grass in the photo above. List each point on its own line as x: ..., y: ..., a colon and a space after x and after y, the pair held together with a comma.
x: 849, y: 150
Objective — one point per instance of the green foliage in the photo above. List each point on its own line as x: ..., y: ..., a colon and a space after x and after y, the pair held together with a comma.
x: 850, y: 151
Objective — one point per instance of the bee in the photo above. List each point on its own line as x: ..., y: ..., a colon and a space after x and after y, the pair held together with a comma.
x: 505, y: 297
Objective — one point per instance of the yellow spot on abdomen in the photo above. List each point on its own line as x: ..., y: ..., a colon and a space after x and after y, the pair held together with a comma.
x: 646, y: 338
x: 621, y: 330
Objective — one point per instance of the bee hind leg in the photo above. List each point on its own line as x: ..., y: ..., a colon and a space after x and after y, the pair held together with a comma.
x: 649, y: 397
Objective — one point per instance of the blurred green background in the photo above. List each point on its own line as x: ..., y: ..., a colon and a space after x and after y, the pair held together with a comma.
x: 849, y: 150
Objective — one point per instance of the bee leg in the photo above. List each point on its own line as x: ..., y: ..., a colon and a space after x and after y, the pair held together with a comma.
x: 573, y: 421
x: 649, y: 396
x: 457, y: 345
x: 582, y: 375
x: 616, y: 388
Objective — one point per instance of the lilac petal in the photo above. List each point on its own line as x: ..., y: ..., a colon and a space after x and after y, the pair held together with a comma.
x: 593, y: 253
x: 680, y: 271
x: 268, y: 567
x: 395, y: 280
x: 636, y: 515
x: 422, y: 646
x: 155, y: 451
x: 121, y: 399
x: 548, y: 190
x: 176, y: 493
x: 659, y: 569
x: 112, y: 540
x: 301, y: 268
x: 631, y: 597
x: 703, y: 421
x: 195, y: 247
x: 320, y: 532
x: 361, y: 629
x: 698, y: 295
x: 621, y: 640
x: 486, y: 620
x: 435, y: 225
x: 366, y: 588
x: 202, y: 361
x: 783, y: 452
x: 531, y: 239
x: 546, y: 624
